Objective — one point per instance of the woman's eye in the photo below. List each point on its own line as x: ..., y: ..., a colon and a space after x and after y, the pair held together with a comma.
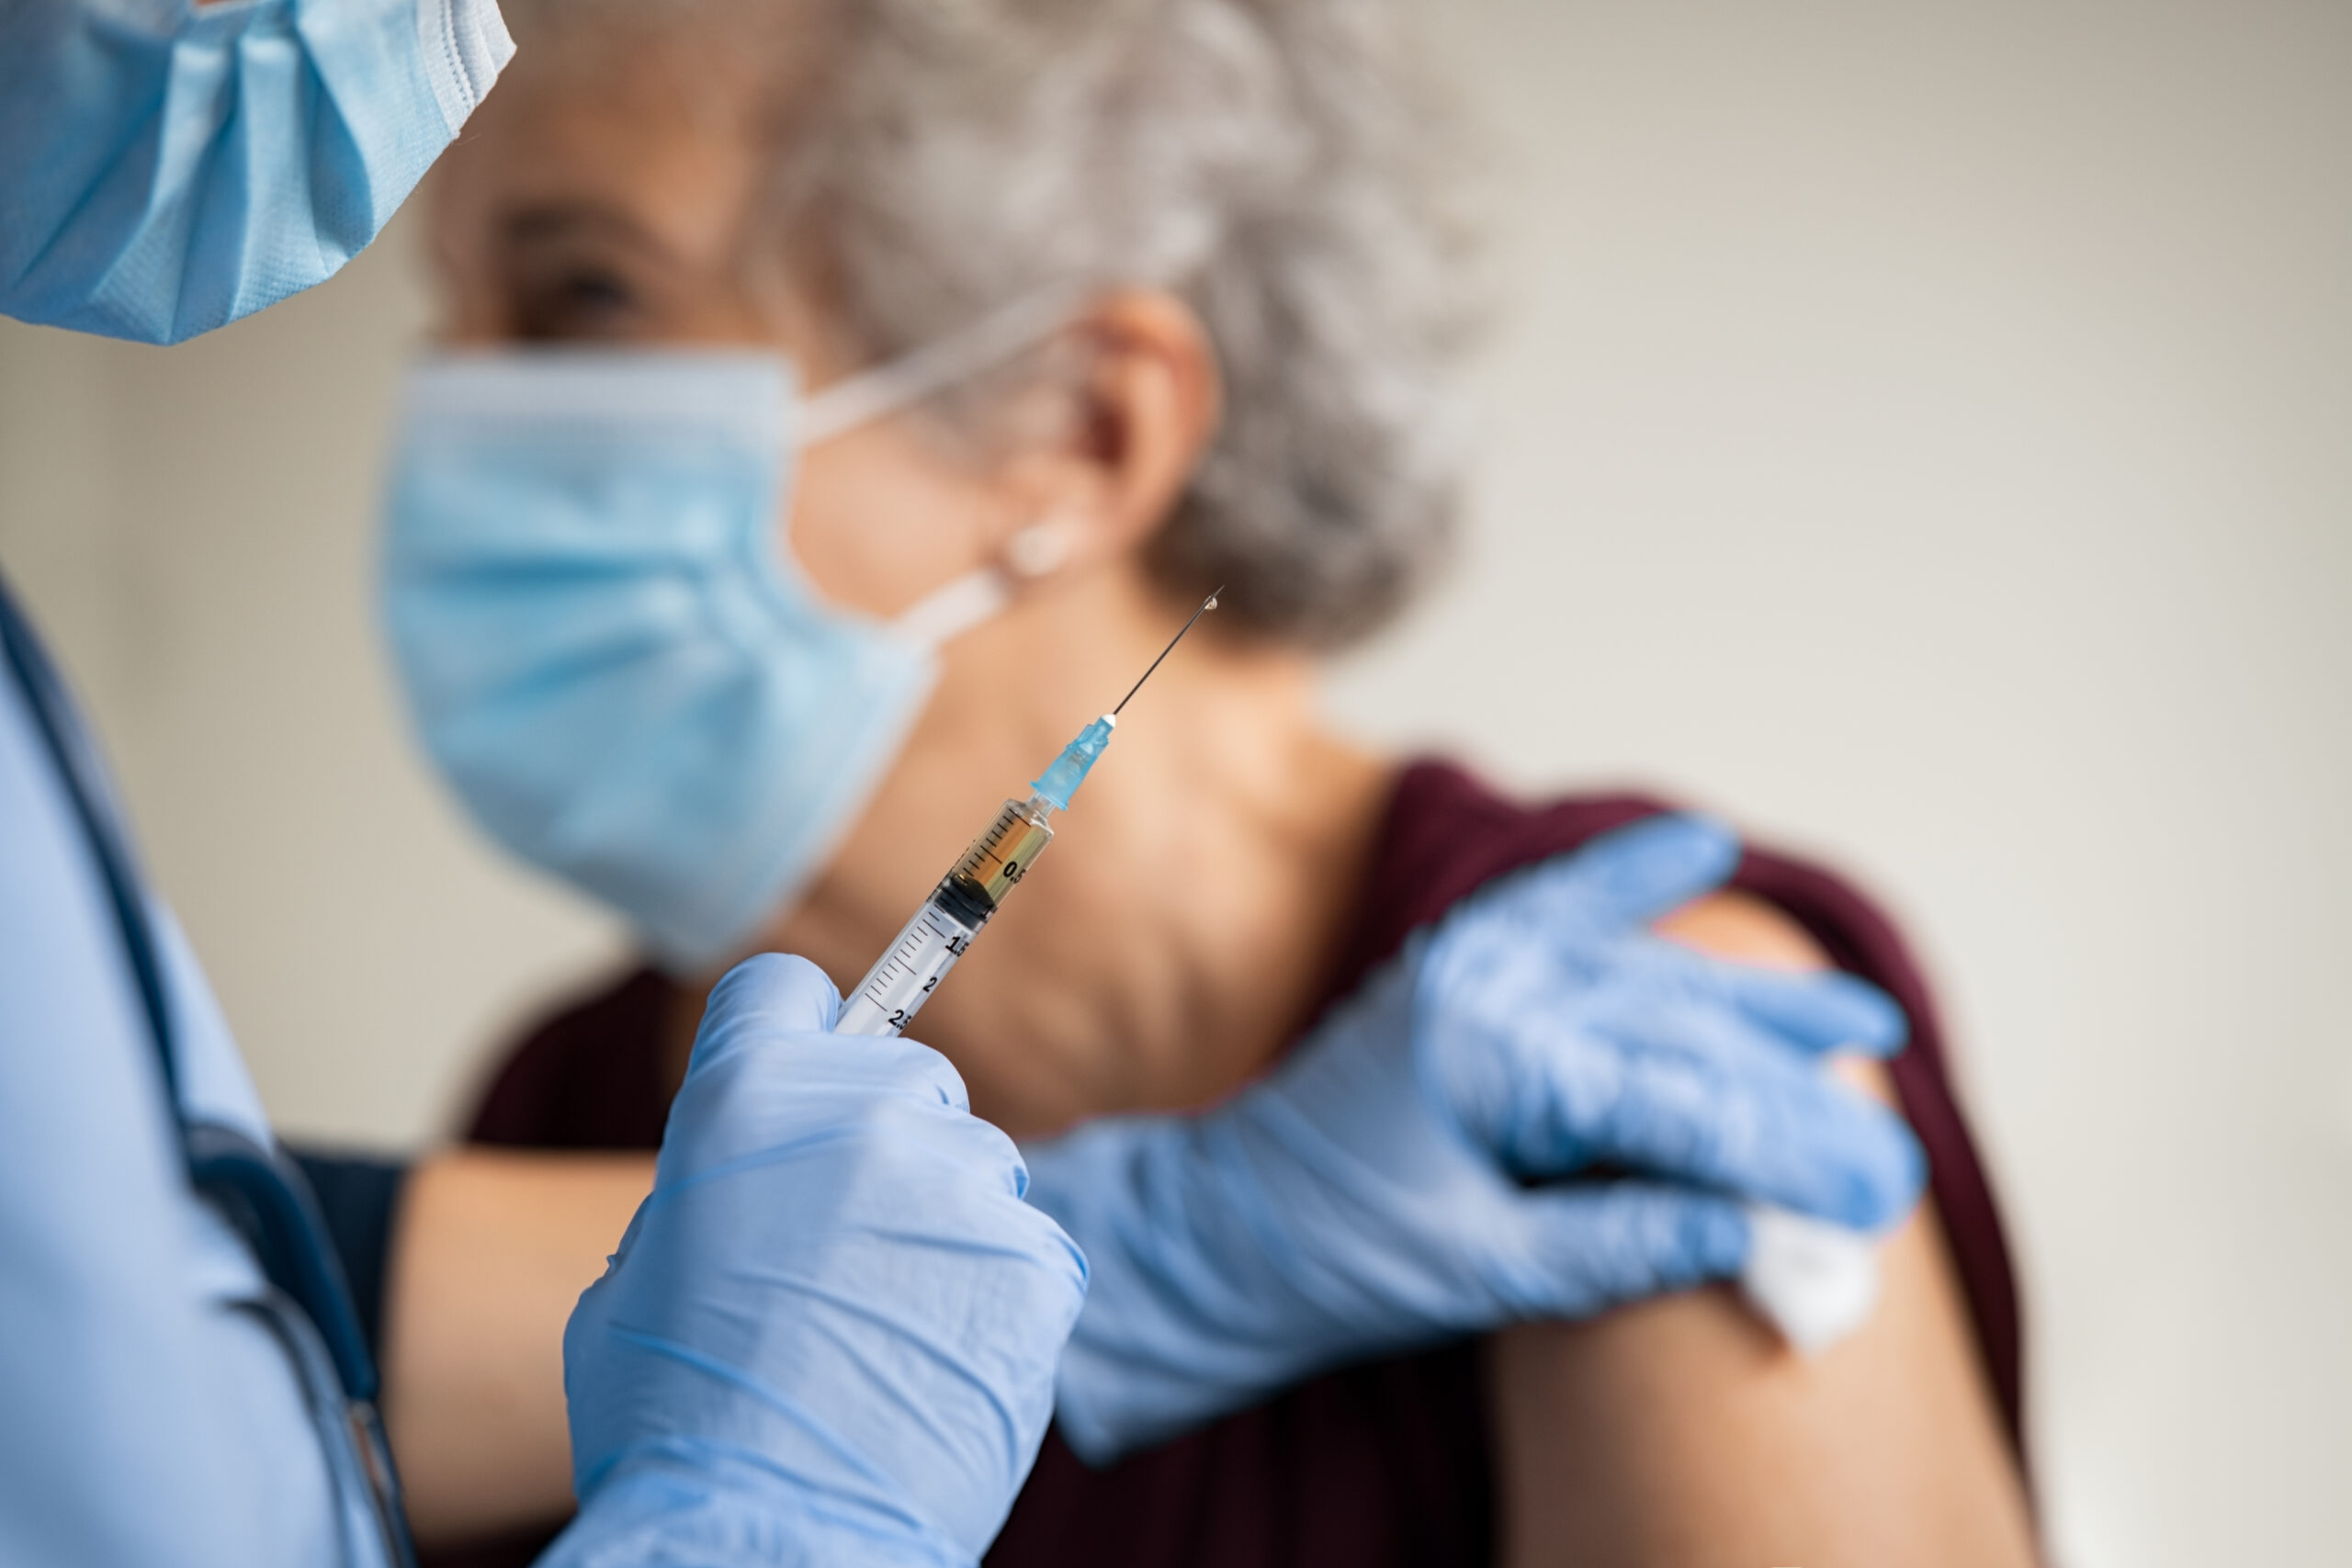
x: 588, y: 302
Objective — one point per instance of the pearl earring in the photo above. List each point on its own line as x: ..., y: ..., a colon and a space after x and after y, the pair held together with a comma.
x: 1041, y: 547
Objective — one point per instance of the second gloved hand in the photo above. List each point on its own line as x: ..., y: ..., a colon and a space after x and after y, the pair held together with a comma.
x: 829, y: 1334
x: 1370, y: 1195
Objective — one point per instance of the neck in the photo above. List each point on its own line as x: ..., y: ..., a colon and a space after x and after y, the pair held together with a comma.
x: 1197, y: 889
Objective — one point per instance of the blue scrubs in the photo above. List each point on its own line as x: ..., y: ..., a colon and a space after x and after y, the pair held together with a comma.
x: 158, y: 1402
x: 164, y: 170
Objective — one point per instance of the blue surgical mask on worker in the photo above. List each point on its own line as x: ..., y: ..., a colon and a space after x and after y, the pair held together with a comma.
x: 166, y: 169
x: 608, y: 650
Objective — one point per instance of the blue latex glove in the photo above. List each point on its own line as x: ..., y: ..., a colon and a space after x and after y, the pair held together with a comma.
x: 829, y: 1334
x: 164, y: 170
x: 1368, y: 1195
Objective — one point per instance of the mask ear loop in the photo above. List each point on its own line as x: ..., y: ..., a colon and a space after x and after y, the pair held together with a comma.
x: 949, y: 611
x: 956, y: 607
x: 954, y: 359
x: 963, y: 602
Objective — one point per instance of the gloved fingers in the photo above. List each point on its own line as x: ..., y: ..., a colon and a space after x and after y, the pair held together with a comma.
x: 768, y: 993
x: 776, y: 996
x: 865, y: 1305
x: 1596, y: 1245
x: 1630, y: 875
x: 1510, y: 976
x: 1819, y: 1011
x: 753, y: 1100
x: 967, y: 1148
x: 1763, y: 1124
x: 767, y: 1071
x: 1689, y: 1090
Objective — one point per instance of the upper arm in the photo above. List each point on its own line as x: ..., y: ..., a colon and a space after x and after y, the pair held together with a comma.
x: 1680, y: 1430
x: 489, y: 1253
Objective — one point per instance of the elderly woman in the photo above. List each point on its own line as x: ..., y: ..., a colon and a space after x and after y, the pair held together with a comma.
x: 1163, y: 291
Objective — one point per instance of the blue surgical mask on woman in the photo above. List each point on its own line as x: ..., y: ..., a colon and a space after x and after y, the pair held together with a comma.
x: 606, y: 646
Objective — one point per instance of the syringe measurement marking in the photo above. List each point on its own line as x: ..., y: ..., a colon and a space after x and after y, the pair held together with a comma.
x: 900, y: 961
x: 987, y: 849
x: 985, y: 866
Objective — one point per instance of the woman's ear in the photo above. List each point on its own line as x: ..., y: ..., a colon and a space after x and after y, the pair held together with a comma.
x: 1143, y: 408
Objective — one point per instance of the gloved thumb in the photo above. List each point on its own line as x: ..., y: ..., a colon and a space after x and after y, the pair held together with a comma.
x: 1596, y: 1245
x: 1635, y: 873
x: 768, y: 994
x: 1629, y: 875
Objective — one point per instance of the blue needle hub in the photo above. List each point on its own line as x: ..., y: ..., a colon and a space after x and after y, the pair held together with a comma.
x: 1060, y: 782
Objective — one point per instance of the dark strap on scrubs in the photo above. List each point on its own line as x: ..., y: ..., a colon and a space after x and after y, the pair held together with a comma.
x: 87, y: 785
x: 358, y: 1196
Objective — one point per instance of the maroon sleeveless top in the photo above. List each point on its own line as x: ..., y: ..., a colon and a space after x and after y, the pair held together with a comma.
x: 1381, y: 1464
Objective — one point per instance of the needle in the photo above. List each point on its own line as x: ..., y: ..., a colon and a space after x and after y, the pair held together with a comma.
x: 1206, y: 605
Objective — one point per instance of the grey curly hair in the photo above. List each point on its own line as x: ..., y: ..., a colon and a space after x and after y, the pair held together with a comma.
x: 1280, y: 165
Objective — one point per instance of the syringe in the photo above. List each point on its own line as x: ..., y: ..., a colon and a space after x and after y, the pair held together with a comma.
x: 977, y: 886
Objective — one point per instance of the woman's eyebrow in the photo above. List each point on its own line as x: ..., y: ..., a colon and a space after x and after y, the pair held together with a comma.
x: 553, y: 222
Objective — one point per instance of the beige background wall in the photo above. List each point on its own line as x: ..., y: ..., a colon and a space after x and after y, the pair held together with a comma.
x: 1925, y: 432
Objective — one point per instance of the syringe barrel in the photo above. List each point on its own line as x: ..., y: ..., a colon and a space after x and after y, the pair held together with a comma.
x: 911, y: 968
x: 965, y: 899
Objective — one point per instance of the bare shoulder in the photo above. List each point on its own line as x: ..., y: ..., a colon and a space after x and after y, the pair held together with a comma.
x: 1745, y: 928
x: 1681, y: 1431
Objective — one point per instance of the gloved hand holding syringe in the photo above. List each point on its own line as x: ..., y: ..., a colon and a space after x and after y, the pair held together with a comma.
x: 1809, y: 1276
